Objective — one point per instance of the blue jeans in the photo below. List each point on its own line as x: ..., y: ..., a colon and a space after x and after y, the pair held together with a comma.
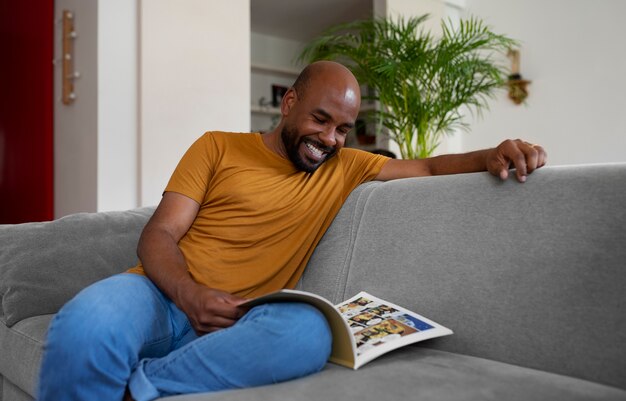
x: 124, y: 331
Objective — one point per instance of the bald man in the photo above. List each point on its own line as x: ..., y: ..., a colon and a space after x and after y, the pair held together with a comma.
x: 240, y: 217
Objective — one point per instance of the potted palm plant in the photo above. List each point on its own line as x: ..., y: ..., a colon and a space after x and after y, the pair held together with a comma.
x: 420, y: 81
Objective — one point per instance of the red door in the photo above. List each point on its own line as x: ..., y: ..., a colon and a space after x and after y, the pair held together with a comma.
x: 26, y: 110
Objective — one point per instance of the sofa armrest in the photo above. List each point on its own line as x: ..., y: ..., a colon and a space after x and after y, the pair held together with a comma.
x: 43, y: 265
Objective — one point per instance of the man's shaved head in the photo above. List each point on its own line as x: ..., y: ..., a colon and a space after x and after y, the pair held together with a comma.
x: 320, y: 72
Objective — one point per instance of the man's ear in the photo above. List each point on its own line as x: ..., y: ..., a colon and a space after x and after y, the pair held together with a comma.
x: 289, y: 99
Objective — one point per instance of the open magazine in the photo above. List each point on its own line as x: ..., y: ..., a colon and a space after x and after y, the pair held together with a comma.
x: 363, y: 327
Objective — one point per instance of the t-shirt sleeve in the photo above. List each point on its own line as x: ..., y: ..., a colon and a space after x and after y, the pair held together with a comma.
x: 361, y: 166
x: 194, y: 171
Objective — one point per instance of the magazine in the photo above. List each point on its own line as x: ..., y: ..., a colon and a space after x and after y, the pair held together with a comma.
x: 363, y: 327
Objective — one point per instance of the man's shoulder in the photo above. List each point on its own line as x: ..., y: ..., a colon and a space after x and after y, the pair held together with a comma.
x: 230, y: 136
x: 222, y: 141
x: 354, y: 153
x: 360, y: 165
x: 350, y: 152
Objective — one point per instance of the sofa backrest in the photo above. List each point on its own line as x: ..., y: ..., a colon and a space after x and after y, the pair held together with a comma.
x: 43, y: 265
x: 532, y: 274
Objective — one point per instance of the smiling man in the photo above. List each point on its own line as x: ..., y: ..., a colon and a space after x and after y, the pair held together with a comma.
x: 240, y: 217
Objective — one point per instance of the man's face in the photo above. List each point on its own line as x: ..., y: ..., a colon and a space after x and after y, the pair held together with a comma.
x: 318, y: 124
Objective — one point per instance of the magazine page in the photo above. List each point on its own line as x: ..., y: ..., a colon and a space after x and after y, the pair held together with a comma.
x: 343, y: 352
x: 379, y: 326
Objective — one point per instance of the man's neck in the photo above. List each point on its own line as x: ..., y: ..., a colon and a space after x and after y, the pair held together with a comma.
x: 274, y: 143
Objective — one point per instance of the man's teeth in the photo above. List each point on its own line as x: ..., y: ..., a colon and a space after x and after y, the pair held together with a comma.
x: 315, y: 151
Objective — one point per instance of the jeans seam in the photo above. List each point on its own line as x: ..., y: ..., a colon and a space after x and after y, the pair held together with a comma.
x: 194, y: 345
x: 191, y: 346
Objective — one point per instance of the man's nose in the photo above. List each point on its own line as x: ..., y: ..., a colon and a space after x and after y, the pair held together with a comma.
x: 329, y: 137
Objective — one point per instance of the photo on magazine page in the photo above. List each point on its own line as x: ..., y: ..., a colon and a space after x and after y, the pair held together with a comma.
x: 374, y: 323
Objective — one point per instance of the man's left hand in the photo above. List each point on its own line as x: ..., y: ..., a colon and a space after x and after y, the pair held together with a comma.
x: 523, y: 156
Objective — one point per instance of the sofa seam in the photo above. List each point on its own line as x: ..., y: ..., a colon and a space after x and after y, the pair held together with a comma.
x: 355, y: 225
x: 339, y: 291
x: 24, y: 335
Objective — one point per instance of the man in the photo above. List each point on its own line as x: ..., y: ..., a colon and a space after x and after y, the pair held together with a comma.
x: 240, y: 217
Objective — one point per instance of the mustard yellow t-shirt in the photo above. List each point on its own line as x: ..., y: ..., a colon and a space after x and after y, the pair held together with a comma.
x: 260, y: 218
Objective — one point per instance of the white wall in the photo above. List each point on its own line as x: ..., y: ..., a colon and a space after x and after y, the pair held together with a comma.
x: 412, y: 8
x: 575, y: 54
x: 155, y: 75
x: 195, y: 77
x: 117, y: 164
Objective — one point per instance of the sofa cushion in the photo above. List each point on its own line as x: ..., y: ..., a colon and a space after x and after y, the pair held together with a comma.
x: 10, y: 392
x: 412, y: 372
x: 416, y: 373
x: 43, y: 265
x: 22, y: 349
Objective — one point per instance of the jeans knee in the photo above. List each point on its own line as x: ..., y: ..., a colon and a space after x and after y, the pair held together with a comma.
x: 96, y: 315
x: 319, y: 337
x: 77, y: 328
x: 305, y: 333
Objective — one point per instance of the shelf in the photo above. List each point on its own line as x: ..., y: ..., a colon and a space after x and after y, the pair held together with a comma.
x: 276, y: 110
x: 268, y: 69
x: 367, y: 148
x: 273, y: 111
x: 368, y: 107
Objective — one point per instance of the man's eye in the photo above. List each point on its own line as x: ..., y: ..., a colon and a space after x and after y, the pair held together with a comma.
x: 318, y: 119
x: 344, y: 130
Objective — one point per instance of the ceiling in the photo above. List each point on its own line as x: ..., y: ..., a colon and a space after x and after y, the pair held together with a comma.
x: 302, y: 20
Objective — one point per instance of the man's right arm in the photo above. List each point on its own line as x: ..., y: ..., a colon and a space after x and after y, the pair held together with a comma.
x: 207, y: 309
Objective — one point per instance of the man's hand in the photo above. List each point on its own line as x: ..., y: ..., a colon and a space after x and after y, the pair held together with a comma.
x: 523, y: 156
x: 210, y: 310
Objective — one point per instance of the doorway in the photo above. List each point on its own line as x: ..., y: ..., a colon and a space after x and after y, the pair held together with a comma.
x: 26, y: 111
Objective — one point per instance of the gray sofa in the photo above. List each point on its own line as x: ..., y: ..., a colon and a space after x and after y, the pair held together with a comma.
x: 531, y: 277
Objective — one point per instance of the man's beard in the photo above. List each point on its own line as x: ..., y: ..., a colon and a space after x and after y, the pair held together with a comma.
x: 292, y: 142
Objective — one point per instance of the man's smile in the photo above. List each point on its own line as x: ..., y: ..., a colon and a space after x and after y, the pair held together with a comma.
x: 315, y: 151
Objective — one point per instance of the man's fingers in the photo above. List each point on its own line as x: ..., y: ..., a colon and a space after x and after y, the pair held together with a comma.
x: 542, y: 156
x: 535, y: 156
x: 523, y: 156
x: 519, y: 162
x: 224, y: 310
x: 213, y: 310
x: 214, y: 319
x: 532, y: 156
x: 214, y: 324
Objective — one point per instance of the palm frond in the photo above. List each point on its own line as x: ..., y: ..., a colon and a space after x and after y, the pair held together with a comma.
x: 421, y: 81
